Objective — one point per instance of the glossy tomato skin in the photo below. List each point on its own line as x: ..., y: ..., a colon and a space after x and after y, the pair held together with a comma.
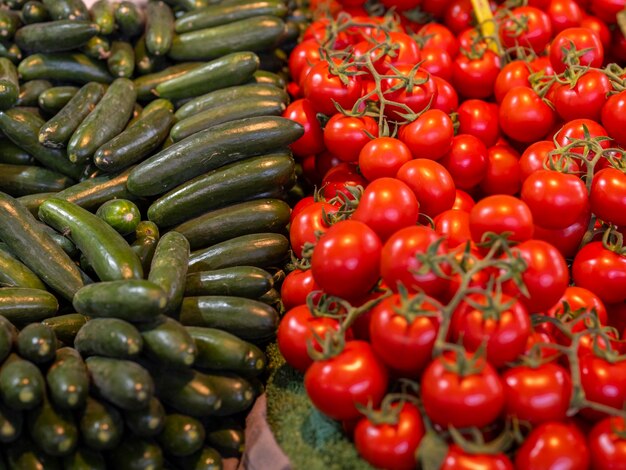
x: 613, y: 117
x: 383, y: 157
x: 568, y: 239
x: 338, y: 177
x: 602, y: 271
x: 503, y: 171
x: 453, y: 224
x: 582, y: 39
x: 535, y: 33
x: 345, y: 136
x: 537, y: 155
x: 463, y: 201
x: 458, y: 459
x: 480, y: 119
x: 607, y: 10
x: 603, y: 382
x: 431, y: 183
x: 321, y: 87
x: 437, y: 62
x: 553, y: 445
x: 466, y: 161
x: 305, y: 225
x: 585, y: 99
x: 608, y: 196
x: 437, y: 35
x: 500, y: 214
x: 312, y: 141
x: 296, y: 286
x: 608, y: 449
x: 429, y: 136
x: 417, y: 98
x: 475, y: 78
x: 447, y: 98
x: 302, y: 58
x: 564, y: 14
x: 391, y: 446
x: 524, y: 116
x: 580, y: 299
x: 513, y: 74
x: 356, y: 375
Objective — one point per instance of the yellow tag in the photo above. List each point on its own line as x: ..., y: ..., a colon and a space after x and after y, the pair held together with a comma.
x: 621, y: 21
x: 485, y: 20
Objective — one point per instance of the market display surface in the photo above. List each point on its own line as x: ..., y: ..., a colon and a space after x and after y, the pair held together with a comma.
x: 400, y: 223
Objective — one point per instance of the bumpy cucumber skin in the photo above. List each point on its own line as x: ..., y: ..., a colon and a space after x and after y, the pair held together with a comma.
x: 55, y: 36
x: 64, y: 66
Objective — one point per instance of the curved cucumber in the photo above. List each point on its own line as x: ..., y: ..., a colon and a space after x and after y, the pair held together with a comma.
x: 21, y: 180
x: 66, y: 326
x: 238, y: 281
x: 63, y: 66
x: 121, y: 62
x: 169, y: 268
x: 68, y: 380
x: 147, y: 83
x: 187, y: 391
x: 159, y: 28
x: 108, y: 337
x: 103, y: 14
x: 54, y: 99
x: 13, y: 273
x: 55, y: 36
x: 67, y: 9
x: 9, y: 84
x: 21, y: 305
x: 14, y: 155
x: 30, y: 91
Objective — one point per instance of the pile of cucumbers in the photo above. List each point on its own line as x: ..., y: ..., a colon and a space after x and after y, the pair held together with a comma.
x: 144, y: 177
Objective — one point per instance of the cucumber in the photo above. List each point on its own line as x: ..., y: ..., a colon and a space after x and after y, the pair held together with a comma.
x: 136, y: 454
x: 245, y: 318
x: 206, y: 458
x: 250, y: 34
x: 13, y: 273
x: 147, y: 422
x: 24, y: 455
x: 107, y: 120
x: 84, y: 459
x: 9, y: 84
x: 22, y: 386
x: 211, y: 149
x: 121, y: 62
x: 227, y: 437
x: 14, y: 155
x: 131, y: 300
x: 67, y: 9
x: 61, y: 240
x: 11, y: 424
x: 71, y: 67
x: 236, y: 393
x: 168, y: 343
x: 121, y: 214
x: 54, y: 99
x: 190, y: 5
x: 106, y: 250
x: 147, y: 83
x: 159, y: 28
x: 8, y: 337
x: 238, y: 281
x: 169, y: 268
x: 9, y: 23
x: 98, y: 47
x: 101, y: 425
x: 182, y: 435
x: 68, y: 379
x: 34, y: 12
x: 103, y: 14
x: 12, y: 53
x: 271, y: 297
x: 22, y: 180
x: 55, y: 36
x: 37, y: 343
x: 229, y: 70
x: 217, y: 98
x: 53, y: 430
x: 22, y: 305
x: 136, y: 142
x: 145, y: 62
x: 144, y: 246
x: 129, y: 19
x: 265, y: 77
x: 222, y: 351
x: 187, y: 391
x: 66, y: 326
x: 108, y: 337
x: 123, y: 383
x: 30, y: 91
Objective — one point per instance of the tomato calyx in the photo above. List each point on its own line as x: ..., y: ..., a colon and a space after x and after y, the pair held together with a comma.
x: 432, y: 261
x: 347, y: 203
x: 491, y: 305
x: 417, y: 305
x: 572, y: 55
x: 476, y: 444
x: 389, y: 410
x: 613, y: 240
x: 463, y: 363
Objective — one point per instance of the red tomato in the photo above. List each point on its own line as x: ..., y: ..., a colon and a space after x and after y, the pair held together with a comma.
x: 458, y: 16
x: 606, y: 10
x: 447, y: 98
x: 602, y: 271
x: 429, y: 136
x: 405, y: 50
x: 513, y: 74
x: 312, y: 141
x: 417, y: 98
x: 302, y: 58
x: 458, y: 459
x: 603, y: 382
x: 575, y: 129
x: 585, y: 99
x: 543, y: 339
x: 466, y: 161
x: 608, y: 447
x: 324, y: 89
x: 453, y: 224
x: 503, y: 171
x: 438, y: 36
x: 526, y: 27
x: 345, y: 136
x: 580, y: 299
x: 297, y: 285
x: 401, y: 5
x: 300, y: 206
x: 437, y: 62
x: 463, y: 201
x: 566, y: 240
x: 576, y: 40
x: 599, y: 27
x: 324, y: 162
x: 354, y: 376
x: 564, y: 14
x: 305, y: 225
x: 501, y: 214
x: 383, y: 157
x: 480, y: 119
x: 431, y: 183
x: 608, y: 196
x: 476, y: 77
x: 614, y: 117
x: 553, y: 445
x: 449, y: 399
x: 538, y: 154
x: 340, y: 176
x: 524, y: 116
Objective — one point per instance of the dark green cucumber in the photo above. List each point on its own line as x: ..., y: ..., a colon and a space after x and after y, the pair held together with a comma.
x: 55, y: 36
x: 236, y: 393
x: 250, y: 34
x: 68, y: 379
x: 227, y: 437
x: 244, y: 318
x: 221, y: 351
x: 238, y: 281
x: 168, y: 343
x: 67, y: 9
x: 217, y: 98
x: 103, y: 14
x: 144, y: 246
x: 147, y: 83
x: 182, y: 435
x: 30, y: 91
x: 169, y: 268
x: 8, y: 337
x: 10, y: 22
x: 108, y: 337
x: 145, y: 62
x: 265, y: 77
x: 136, y: 454
x: 121, y: 214
x: 37, y: 343
x: 190, y: 5
x: 101, y: 425
x: 106, y: 121
x: 66, y: 326
x: 159, y: 28
x: 9, y: 84
x: 271, y: 297
x: 33, y: 201
x: 54, y: 99
x: 187, y: 391
x: 124, y: 383
x: 129, y: 18
x: 121, y: 62
x: 53, y: 429
x: 61, y: 240
x: 21, y: 180
x: 106, y: 250
x: 211, y: 149
x: 64, y: 66
x: 229, y: 111
x: 22, y: 386
x: 34, y: 12
x: 13, y: 53
x: 14, y: 155
x: 147, y: 422
x: 136, y: 142
x: 98, y: 47
x: 13, y: 273
x: 84, y: 459
x: 206, y: 458
x: 23, y: 454
x: 11, y: 424
x: 22, y: 305
x: 229, y: 70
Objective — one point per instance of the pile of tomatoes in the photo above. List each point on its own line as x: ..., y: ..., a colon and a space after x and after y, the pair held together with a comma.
x: 458, y: 298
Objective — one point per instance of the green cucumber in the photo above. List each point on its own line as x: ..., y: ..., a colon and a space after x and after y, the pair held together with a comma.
x: 103, y: 14
x: 227, y: 437
x: 271, y: 297
x: 136, y: 454
x: 145, y: 62
x: 37, y: 343
x: 84, y: 459
x: 182, y: 435
x: 144, y: 246
x: 8, y: 337
x: 98, y: 47
x: 187, y: 391
x: 64, y: 242
x: 221, y: 351
x: 22, y: 386
x: 14, y: 155
x: 108, y: 337
x: 66, y: 326
x: 71, y: 67
x: 34, y: 12
x: 245, y: 318
x: 68, y: 379
x: 131, y: 300
x: 13, y: 273
x: 10, y: 22
x: 147, y: 422
x: 211, y: 149
x: 229, y: 70
x: 265, y: 77
x: 21, y: 180
x: 54, y: 99
x: 33, y: 201
x: 238, y: 281
x: 206, y: 458
x: 159, y: 28
x: 236, y: 393
x: 250, y: 34
x: 124, y: 383
x: 217, y: 98
x: 24, y: 455
x: 52, y: 429
x: 101, y: 425
x: 121, y: 62
x: 13, y: 53
x: 129, y: 18
x: 11, y: 424
x: 30, y: 91
x: 55, y: 36
x: 106, y: 250
x: 121, y: 214
x: 168, y: 343
x: 190, y: 5
x: 22, y: 305
x: 169, y: 268
x: 9, y: 84
x: 67, y: 9
x: 147, y: 83
x: 107, y: 120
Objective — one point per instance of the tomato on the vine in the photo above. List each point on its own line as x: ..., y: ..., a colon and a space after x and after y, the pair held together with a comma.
x: 458, y: 459
x: 475, y: 76
x: 302, y: 58
x: 437, y: 62
x: 345, y: 136
x: 416, y: 98
x: 577, y: 45
x: 453, y: 224
x: 466, y: 161
x: 602, y: 271
x: 564, y: 14
x: 383, y: 157
x: 537, y: 156
x: 428, y: 136
x: 480, y: 119
x: 585, y: 99
x: 526, y: 26
x: 431, y: 183
x: 463, y: 201
x: 604, y: 382
x: 312, y: 141
x: 607, y: 444
x: 524, y: 116
x: 513, y: 74
x: 306, y: 225
x: 323, y: 88
x: 447, y: 98
x: 608, y: 196
x: 503, y: 171
x: 553, y: 445
x: 501, y: 214
x: 339, y: 177
x: 614, y: 117
x: 296, y: 286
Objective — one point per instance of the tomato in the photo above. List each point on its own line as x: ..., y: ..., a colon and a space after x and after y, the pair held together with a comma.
x: 417, y: 98
x: 305, y: 225
x: 437, y: 62
x: 463, y: 201
x: 480, y: 119
x: 581, y: 300
x: 578, y: 39
x: 453, y: 224
x: 607, y: 444
x: 607, y: 10
x: 320, y: 31
x: 391, y: 446
x: 526, y: 27
x: 466, y: 161
x: 575, y: 129
x: 324, y: 162
x: 501, y: 214
x: 564, y: 14
x: 537, y: 155
x: 302, y: 58
x: 599, y: 27
x: 355, y: 376
x: 614, y: 117
x: 585, y: 99
x: 524, y: 116
x: 431, y: 183
x: 312, y: 141
x: 458, y: 16
x: 447, y: 98
x: 602, y: 271
x: 449, y: 399
x: 401, y: 5
x: 383, y: 157
x: 553, y: 445
x: 345, y: 136
x: 476, y: 77
x: 566, y: 240
x: 542, y: 339
x: 324, y: 89
x: 439, y: 37
x: 503, y: 171
x: 603, y: 382
x: 405, y: 51
x: 296, y: 286
x: 403, y: 333
x: 458, y: 459
x: 513, y: 74
x: 608, y: 196
x: 300, y: 206
x: 386, y: 206
x: 429, y: 136
x: 340, y: 176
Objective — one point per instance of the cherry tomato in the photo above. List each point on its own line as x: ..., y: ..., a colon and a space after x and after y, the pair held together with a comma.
x: 431, y: 183
x: 305, y: 225
x: 603, y: 382
x: 575, y: 129
x: 312, y: 141
x: 296, y: 286
x: 501, y: 214
x: 566, y: 240
x: 608, y: 196
x: 476, y: 77
x: 438, y: 36
x: 458, y: 16
x: 463, y: 201
x: 405, y: 50
x: 480, y: 119
x: 579, y: 301
x: 417, y: 98
x: 524, y: 116
x: 537, y: 155
x: 458, y: 459
x: 345, y: 136
x: 340, y: 176
x: 602, y: 271
x: 383, y: 157
x: 564, y: 14
x: 302, y: 58
x: 585, y: 99
x: 429, y: 136
x: 599, y: 27
x: 437, y: 62
x: 300, y: 206
x: 607, y: 10
x: 607, y: 444
x: 453, y: 224
x: 576, y: 40
x: 553, y: 445
x: 447, y: 98
x: 614, y: 117
x: 466, y: 161
x: 513, y: 74
x: 503, y: 171
x: 324, y: 89
x: 526, y: 27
